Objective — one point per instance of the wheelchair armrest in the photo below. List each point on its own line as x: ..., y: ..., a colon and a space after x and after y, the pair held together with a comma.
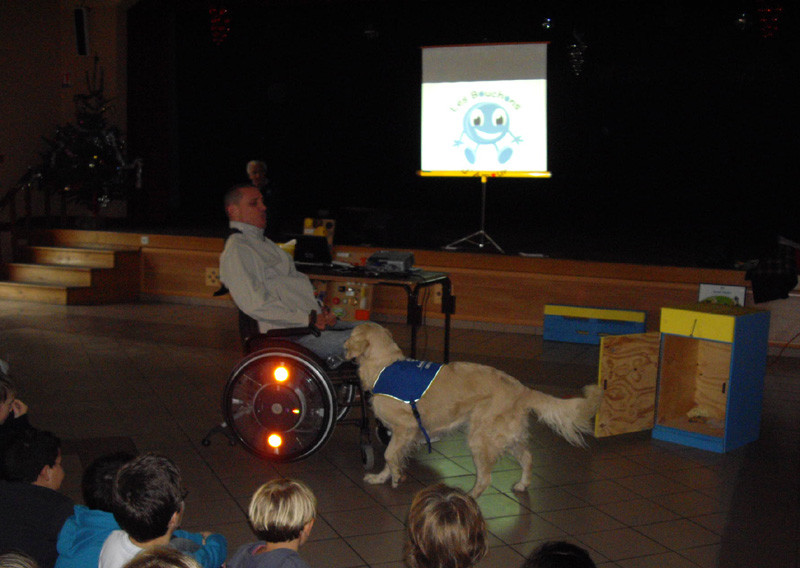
x: 310, y: 329
x: 252, y: 338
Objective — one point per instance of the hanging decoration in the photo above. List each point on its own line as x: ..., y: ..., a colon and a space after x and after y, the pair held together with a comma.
x: 220, y: 22
x: 575, y: 53
x: 769, y: 17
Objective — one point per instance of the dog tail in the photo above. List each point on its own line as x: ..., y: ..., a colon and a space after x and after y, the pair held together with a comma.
x: 570, y: 418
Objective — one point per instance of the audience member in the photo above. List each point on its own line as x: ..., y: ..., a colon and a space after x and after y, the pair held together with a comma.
x: 559, y: 554
x: 148, y: 503
x: 17, y: 560
x: 264, y: 282
x: 162, y: 557
x: 282, y: 513
x: 13, y: 413
x: 257, y: 173
x: 445, y: 529
x: 84, y: 533
x: 33, y: 509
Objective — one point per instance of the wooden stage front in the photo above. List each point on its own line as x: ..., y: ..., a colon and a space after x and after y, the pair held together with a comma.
x: 491, y: 290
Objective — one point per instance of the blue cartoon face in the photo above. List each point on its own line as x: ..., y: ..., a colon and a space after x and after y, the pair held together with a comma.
x: 486, y: 123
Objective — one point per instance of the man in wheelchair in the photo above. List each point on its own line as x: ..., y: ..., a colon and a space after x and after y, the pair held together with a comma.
x: 266, y: 286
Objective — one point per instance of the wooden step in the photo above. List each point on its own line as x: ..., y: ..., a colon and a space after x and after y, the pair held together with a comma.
x: 45, y: 293
x: 51, y: 274
x: 95, y: 257
x: 74, y: 275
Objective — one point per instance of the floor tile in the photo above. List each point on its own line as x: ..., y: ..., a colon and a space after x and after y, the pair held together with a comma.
x: 679, y: 534
x: 581, y: 521
x: 523, y: 528
x: 622, y: 543
x: 637, y: 512
x: 362, y: 521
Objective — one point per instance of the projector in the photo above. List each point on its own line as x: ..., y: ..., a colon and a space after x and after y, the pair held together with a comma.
x: 391, y: 261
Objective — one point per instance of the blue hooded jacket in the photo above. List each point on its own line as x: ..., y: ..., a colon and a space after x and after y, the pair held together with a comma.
x: 83, y: 534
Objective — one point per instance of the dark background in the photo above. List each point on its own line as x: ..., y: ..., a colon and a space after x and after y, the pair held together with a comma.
x: 677, y: 143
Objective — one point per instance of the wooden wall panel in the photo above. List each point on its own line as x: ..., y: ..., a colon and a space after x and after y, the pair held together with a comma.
x: 175, y: 272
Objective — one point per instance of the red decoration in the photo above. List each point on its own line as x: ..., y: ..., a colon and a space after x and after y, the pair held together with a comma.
x: 220, y: 22
x: 769, y: 19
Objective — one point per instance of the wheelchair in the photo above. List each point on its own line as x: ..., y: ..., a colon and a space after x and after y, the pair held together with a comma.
x: 282, y: 401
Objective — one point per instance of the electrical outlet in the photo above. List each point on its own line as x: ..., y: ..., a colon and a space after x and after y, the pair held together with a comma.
x: 212, y: 276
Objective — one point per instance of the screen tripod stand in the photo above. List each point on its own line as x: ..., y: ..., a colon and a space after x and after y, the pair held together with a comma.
x: 479, y: 238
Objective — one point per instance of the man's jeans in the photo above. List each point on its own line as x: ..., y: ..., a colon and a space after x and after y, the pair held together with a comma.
x: 330, y: 342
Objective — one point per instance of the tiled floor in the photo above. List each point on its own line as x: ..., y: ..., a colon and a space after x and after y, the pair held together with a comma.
x: 153, y: 374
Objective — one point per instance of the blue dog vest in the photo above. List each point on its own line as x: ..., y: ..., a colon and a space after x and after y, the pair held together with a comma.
x: 407, y: 381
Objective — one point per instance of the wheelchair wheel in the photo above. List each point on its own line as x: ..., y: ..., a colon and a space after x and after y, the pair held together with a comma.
x: 279, y: 402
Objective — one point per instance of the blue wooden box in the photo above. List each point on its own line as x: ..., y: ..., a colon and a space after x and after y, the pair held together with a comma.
x: 711, y: 376
x: 578, y: 324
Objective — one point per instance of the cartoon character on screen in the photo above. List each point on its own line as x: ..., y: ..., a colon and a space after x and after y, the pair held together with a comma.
x: 487, y: 123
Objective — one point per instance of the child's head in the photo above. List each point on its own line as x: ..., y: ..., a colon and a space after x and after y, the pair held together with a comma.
x: 162, y: 557
x: 281, y: 509
x: 8, y: 392
x: 559, y: 554
x: 17, y: 560
x: 147, y: 497
x: 97, y: 483
x: 445, y: 529
x: 35, y: 457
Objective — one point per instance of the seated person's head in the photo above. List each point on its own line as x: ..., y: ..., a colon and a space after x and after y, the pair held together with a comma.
x: 148, y: 496
x: 445, y: 529
x: 257, y: 172
x: 8, y: 392
x: 97, y: 483
x: 283, y: 510
x: 245, y: 204
x: 35, y: 457
x: 162, y: 557
x: 17, y: 560
x: 559, y: 554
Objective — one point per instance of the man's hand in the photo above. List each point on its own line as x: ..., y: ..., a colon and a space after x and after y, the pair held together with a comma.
x: 325, y: 319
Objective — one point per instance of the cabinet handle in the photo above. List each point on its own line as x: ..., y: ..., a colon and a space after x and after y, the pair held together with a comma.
x: 724, y: 385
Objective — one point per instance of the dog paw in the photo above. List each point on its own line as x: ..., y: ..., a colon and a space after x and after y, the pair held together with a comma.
x: 520, y: 487
x: 374, y: 478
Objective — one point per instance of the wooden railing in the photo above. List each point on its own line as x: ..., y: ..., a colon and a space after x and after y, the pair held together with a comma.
x: 21, y: 225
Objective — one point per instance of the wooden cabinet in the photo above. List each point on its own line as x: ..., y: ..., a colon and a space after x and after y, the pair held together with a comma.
x: 710, y: 378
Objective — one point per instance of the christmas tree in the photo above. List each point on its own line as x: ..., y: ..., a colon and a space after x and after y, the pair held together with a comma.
x: 87, y: 161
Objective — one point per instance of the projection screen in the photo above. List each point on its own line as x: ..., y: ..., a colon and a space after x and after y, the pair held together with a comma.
x: 484, y: 110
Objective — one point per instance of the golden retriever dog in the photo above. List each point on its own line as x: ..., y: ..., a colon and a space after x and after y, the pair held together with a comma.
x: 492, y: 405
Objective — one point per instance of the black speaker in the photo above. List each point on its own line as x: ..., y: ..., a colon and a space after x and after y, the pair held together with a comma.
x: 81, y: 31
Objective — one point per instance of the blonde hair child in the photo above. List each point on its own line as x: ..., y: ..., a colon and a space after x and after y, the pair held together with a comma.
x: 282, y: 514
